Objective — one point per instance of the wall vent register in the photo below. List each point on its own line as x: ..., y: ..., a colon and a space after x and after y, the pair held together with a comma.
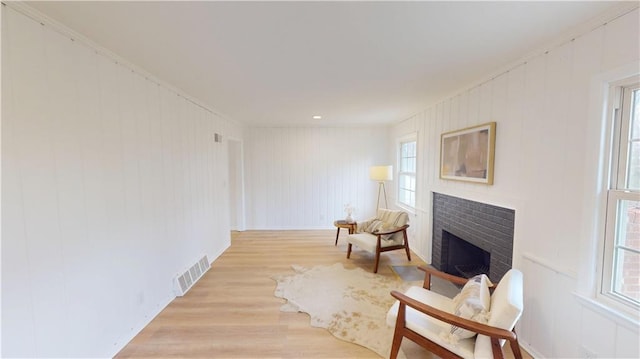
x: 183, y: 282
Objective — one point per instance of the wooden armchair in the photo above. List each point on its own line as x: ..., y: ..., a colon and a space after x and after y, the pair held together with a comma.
x: 422, y: 316
x: 386, y: 232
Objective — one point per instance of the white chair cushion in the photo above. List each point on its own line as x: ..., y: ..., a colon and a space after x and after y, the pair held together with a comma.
x: 364, y: 241
x: 427, y: 326
x: 506, y: 309
x: 368, y: 241
x: 374, y: 226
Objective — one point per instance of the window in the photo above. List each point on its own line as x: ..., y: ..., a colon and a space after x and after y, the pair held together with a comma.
x: 621, y: 262
x: 407, y: 172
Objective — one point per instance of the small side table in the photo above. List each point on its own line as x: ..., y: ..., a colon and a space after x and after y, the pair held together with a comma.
x: 341, y: 223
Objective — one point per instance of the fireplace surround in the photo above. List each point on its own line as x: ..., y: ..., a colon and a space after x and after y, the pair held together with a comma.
x: 485, y: 226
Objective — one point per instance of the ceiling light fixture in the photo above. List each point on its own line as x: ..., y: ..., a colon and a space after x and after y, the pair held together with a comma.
x: 317, y: 117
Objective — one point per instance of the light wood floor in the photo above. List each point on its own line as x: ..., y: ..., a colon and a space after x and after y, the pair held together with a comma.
x: 232, y: 313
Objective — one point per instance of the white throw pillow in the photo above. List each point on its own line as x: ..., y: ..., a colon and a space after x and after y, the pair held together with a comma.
x: 473, y: 303
x: 374, y: 226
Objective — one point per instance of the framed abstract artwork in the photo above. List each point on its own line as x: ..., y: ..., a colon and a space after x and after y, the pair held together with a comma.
x: 468, y: 154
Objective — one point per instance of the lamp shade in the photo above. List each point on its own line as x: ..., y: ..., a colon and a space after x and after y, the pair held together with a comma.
x: 381, y: 173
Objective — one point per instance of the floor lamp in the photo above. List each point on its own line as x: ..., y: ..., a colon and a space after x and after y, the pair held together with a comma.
x: 381, y: 174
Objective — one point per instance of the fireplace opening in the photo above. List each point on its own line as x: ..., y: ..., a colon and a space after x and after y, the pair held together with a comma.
x: 463, y: 258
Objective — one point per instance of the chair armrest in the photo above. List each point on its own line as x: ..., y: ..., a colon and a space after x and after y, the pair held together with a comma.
x: 429, y: 271
x: 452, y: 319
x: 392, y: 230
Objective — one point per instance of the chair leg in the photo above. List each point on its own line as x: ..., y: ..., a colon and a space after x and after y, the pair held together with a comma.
x: 496, y: 348
x: 395, y: 348
x: 375, y: 269
x: 349, y: 251
x: 426, y: 284
x: 406, y: 245
x: 515, y: 347
x: 337, y: 235
x: 397, y: 336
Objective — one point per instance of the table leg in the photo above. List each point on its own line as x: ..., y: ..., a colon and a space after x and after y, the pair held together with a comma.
x: 337, y: 235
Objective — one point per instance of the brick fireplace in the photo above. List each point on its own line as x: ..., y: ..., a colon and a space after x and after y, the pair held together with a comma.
x: 468, y: 235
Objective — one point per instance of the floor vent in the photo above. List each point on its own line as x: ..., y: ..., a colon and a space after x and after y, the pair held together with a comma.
x: 183, y: 282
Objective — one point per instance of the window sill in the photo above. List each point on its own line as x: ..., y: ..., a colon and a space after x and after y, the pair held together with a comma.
x: 620, y: 317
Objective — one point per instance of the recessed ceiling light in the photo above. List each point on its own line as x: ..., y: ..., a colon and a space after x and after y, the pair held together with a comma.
x: 317, y: 117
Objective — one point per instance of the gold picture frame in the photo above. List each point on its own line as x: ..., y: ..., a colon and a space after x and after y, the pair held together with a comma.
x: 468, y: 154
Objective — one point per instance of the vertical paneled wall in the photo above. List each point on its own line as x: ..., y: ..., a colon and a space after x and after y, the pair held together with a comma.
x: 301, y: 177
x: 543, y: 170
x: 111, y: 185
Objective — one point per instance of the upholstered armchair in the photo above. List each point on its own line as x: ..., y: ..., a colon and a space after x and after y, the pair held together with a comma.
x: 474, y: 324
x: 386, y: 232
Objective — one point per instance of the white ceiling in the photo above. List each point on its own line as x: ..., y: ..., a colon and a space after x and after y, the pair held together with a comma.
x: 279, y: 63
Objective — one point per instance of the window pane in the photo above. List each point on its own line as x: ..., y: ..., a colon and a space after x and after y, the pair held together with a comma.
x: 407, y: 182
x: 626, y: 270
x: 635, y: 115
x: 628, y: 225
x: 406, y: 189
x: 411, y: 166
x: 412, y: 149
x: 402, y: 179
x: 633, y: 155
x: 403, y: 150
x: 408, y: 157
x: 407, y: 197
x: 627, y: 275
x: 406, y: 177
x: 633, y: 167
x: 403, y: 196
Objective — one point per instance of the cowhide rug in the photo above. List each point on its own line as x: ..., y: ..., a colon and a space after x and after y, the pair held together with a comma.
x: 350, y: 303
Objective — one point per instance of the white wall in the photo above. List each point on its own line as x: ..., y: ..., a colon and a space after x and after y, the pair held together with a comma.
x: 544, y: 171
x: 111, y: 185
x: 236, y: 185
x: 301, y: 178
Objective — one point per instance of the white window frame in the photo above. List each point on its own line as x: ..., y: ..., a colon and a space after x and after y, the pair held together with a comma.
x: 401, y: 173
x: 617, y: 191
